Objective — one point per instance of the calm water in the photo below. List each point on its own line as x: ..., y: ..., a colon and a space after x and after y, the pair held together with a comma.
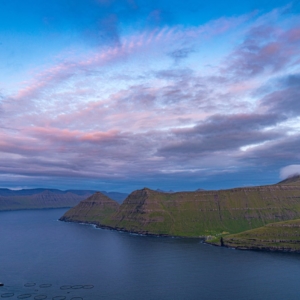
x: 36, y: 248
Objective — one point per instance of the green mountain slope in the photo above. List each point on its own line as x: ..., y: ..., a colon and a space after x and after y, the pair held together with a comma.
x: 204, y: 213
x: 210, y: 214
x: 95, y: 209
x: 281, y: 236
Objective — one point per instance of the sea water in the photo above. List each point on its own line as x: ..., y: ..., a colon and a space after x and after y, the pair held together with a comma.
x: 43, y: 258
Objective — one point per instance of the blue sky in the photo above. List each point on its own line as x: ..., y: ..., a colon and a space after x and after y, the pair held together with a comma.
x: 118, y: 95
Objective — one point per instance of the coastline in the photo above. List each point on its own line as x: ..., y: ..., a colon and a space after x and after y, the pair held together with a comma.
x: 141, y: 233
x: 201, y: 238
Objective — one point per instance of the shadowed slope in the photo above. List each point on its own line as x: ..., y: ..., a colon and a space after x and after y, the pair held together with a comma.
x: 94, y: 209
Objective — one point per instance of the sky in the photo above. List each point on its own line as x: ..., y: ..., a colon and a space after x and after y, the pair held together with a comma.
x: 118, y: 95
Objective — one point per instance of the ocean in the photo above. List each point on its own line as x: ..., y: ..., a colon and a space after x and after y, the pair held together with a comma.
x: 43, y: 258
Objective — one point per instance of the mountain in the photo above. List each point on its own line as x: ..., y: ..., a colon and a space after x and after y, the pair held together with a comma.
x: 30, y: 192
x: 47, y: 198
x: 293, y: 180
x: 95, y: 209
x: 212, y: 214
x: 200, y: 213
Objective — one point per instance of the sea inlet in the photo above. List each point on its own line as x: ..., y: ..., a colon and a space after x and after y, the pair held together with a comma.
x: 43, y: 258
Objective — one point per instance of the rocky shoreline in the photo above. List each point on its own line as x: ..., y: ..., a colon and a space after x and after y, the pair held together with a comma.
x: 142, y: 233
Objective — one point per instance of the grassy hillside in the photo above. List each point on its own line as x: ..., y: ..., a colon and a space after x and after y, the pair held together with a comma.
x: 281, y: 236
x: 204, y: 213
x: 95, y: 209
x: 210, y: 214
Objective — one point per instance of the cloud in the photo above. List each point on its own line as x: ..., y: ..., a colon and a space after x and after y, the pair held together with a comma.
x: 220, y: 134
x: 180, y: 54
x: 125, y: 112
x: 285, y: 99
x: 267, y: 48
x: 289, y: 171
x: 67, y: 70
x: 276, y: 153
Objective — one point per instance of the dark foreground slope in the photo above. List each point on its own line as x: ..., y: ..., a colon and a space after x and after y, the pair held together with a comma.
x: 280, y: 236
x: 95, y: 209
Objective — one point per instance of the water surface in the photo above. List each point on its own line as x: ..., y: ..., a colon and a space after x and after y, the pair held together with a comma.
x: 37, y: 248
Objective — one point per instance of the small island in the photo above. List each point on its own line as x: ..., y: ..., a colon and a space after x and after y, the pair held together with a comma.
x: 260, y: 218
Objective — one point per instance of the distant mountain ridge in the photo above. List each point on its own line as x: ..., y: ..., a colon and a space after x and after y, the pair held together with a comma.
x: 29, y: 192
x: 47, y: 198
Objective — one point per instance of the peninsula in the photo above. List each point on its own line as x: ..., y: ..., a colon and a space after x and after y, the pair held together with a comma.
x: 239, y: 217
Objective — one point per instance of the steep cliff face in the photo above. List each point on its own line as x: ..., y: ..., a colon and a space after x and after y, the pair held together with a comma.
x: 95, y: 209
x: 205, y: 213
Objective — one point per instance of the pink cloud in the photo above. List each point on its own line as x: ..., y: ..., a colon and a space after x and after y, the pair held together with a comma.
x: 293, y: 35
x: 57, y: 135
x: 168, y: 119
x: 63, y: 71
x: 268, y: 47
